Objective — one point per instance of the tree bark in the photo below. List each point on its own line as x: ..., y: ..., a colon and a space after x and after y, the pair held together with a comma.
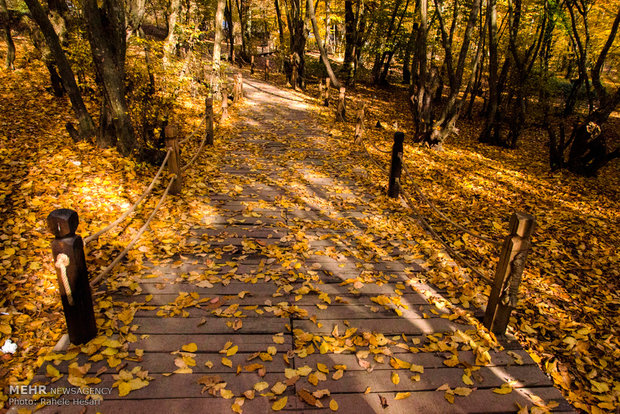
x: 230, y: 31
x: 87, y: 127
x: 107, y: 37
x: 6, y: 20
x: 217, y: 43
x: 315, y: 27
x: 280, y: 23
x: 170, y: 45
x: 491, y: 119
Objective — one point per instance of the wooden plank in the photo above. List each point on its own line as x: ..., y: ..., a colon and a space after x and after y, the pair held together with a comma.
x: 434, y: 402
x: 427, y: 360
x: 160, y: 362
x: 431, y: 379
x: 384, y: 326
x: 157, y: 325
x: 198, y: 404
x: 208, y: 342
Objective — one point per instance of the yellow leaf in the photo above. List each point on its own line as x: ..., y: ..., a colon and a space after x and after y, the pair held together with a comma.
x: 137, y: 383
x: 278, y: 405
x: 278, y: 388
x: 467, y: 379
x: 395, y: 378
x: 52, y: 371
x: 462, y: 391
x: 402, y: 395
x: 322, y: 368
x: 227, y: 362
x: 417, y: 368
x: 192, y: 347
x: 124, y: 388
x: 184, y: 370
x: 260, y: 386
x: 333, y: 405
x: 232, y: 350
x: 227, y: 394
x: 449, y: 396
x: 337, y: 375
x: 504, y: 389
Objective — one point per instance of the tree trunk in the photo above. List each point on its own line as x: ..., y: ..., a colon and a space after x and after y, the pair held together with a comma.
x: 327, y: 41
x: 229, y: 31
x: 243, y: 8
x: 170, y: 45
x: 350, y: 34
x: 315, y: 27
x: 280, y: 23
x: 6, y: 19
x: 491, y: 119
x: 107, y: 37
x: 217, y: 43
x: 298, y: 37
x: 407, y: 58
x: 87, y: 127
x: 135, y: 16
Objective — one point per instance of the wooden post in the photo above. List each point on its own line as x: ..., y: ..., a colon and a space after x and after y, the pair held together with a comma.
x: 224, y: 103
x: 321, y: 89
x: 504, y: 294
x: 396, y: 166
x: 266, y: 69
x: 174, y: 161
x: 340, y: 111
x: 236, y: 89
x: 209, y: 119
x: 70, y: 264
x: 327, y: 85
x: 294, y: 77
x: 252, y: 65
x: 359, y: 125
x: 241, y: 86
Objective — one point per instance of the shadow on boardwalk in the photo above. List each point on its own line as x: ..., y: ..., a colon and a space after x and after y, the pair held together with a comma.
x: 293, y: 266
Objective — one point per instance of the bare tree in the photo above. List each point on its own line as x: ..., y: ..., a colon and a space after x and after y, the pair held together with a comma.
x: 315, y: 27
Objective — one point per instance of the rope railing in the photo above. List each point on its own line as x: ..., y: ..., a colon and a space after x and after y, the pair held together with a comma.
x: 68, y: 247
x: 133, y: 207
x: 514, y: 248
x: 428, y: 202
x: 135, y: 239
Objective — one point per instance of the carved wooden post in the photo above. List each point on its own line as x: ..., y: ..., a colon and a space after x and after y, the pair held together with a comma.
x: 252, y: 65
x: 241, y: 86
x: 396, y: 166
x: 504, y: 294
x: 224, y: 103
x: 70, y: 264
x: 359, y: 125
x: 174, y: 161
x: 327, y: 85
x: 340, y: 111
x: 266, y: 69
x: 321, y: 89
x: 209, y: 119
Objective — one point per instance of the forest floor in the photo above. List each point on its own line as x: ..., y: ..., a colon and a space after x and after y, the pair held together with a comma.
x: 568, y: 316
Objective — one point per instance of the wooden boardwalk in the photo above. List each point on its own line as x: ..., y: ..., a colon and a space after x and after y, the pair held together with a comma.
x: 303, y: 284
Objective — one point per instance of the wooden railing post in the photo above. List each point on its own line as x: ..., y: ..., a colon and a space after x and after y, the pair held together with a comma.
x: 359, y: 124
x: 327, y: 85
x: 209, y: 119
x: 252, y: 65
x: 70, y: 264
x: 504, y: 294
x: 266, y: 69
x: 340, y: 111
x: 396, y: 165
x: 321, y: 89
x: 174, y: 161
x: 236, y: 89
x: 240, y: 85
x: 224, y: 103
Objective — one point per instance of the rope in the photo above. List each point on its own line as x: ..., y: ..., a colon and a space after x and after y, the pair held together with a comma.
x: 445, y: 244
x: 202, y: 144
x: 62, y: 261
x: 427, y: 226
x: 442, y: 215
x: 379, y: 149
x: 190, y: 136
x: 111, y: 266
x: 132, y: 208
